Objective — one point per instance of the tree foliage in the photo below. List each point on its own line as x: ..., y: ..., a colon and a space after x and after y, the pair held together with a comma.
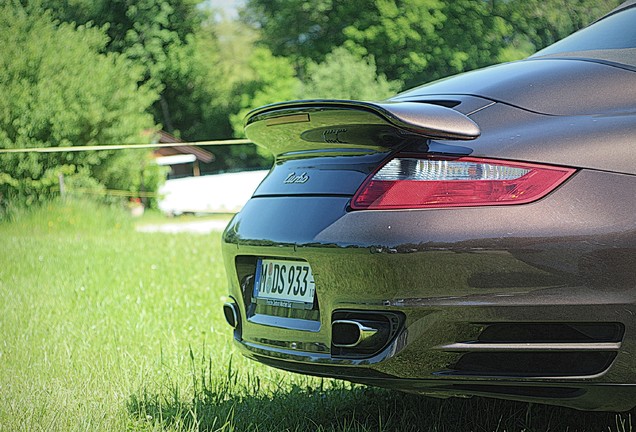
x: 58, y: 90
x: 421, y: 40
x: 273, y: 80
x: 159, y: 36
x: 344, y: 75
x: 541, y: 23
x: 197, y: 64
x: 302, y: 31
x: 416, y: 41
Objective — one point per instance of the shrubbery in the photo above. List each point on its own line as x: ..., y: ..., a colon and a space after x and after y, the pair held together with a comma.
x: 59, y: 90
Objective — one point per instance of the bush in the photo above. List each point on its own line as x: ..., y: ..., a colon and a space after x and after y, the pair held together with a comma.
x: 344, y: 75
x: 59, y: 90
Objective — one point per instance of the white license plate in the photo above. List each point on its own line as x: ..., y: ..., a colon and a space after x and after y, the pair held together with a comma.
x: 284, y: 283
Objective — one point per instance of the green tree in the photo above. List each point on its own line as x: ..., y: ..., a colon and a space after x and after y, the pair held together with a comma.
x: 416, y: 41
x: 197, y: 63
x: 302, y: 31
x: 170, y: 41
x: 273, y: 80
x: 420, y: 40
x: 344, y: 75
x: 59, y: 91
x: 410, y: 40
x: 269, y: 79
x: 539, y: 23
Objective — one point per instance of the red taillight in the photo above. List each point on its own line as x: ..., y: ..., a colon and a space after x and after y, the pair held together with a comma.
x: 407, y: 182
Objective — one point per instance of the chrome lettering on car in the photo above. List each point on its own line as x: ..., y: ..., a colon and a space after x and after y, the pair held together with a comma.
x: 292, y: 178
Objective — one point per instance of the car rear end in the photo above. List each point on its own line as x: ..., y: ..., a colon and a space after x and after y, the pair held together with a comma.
x: 387, y: 247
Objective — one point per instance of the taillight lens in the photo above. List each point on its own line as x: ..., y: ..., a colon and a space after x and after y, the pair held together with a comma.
x: 407, y: 182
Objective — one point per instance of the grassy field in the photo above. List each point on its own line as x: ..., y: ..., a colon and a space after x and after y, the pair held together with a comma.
x: 105, y: 328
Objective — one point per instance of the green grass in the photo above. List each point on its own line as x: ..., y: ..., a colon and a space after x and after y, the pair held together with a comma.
x: 105, y: 328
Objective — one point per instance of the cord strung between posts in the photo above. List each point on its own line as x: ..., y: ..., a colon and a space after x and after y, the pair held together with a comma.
x: 122, y: 146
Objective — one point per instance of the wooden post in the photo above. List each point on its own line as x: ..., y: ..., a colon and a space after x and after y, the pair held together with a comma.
x: 60, y: 178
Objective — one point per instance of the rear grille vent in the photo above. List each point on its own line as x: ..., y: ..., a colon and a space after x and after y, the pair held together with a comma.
x: 552, y: 332
x: 538, y: 350
x: 534, y: 364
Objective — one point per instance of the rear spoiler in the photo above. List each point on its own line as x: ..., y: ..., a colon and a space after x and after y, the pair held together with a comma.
x: 307, y: 124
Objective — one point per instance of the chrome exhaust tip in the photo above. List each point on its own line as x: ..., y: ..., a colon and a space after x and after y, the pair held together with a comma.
x: 361, y: 334
x: 230, y: 311
x: 349, y: 333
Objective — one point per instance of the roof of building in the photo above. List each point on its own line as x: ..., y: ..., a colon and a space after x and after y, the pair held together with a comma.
x: 164, y: 137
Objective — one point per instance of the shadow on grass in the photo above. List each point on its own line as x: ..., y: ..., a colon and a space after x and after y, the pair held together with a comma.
x: 240, y: 405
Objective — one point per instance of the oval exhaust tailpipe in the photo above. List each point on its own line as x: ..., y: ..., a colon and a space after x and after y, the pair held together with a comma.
x: 231, y: 314
x: 349, y: 333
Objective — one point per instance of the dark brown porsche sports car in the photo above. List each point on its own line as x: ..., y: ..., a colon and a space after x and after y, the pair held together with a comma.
x: 473, y: 236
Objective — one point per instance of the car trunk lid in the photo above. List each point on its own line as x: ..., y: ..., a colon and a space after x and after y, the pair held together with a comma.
x: 329, y: 147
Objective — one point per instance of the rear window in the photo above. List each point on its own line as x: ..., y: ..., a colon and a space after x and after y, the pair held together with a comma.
x: 617, y: 31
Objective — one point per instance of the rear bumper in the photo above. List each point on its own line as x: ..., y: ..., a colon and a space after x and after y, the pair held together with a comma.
x: 452, y: 274
x: 578, y: 394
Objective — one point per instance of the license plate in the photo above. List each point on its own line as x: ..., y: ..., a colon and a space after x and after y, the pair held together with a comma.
x: 284, y: 283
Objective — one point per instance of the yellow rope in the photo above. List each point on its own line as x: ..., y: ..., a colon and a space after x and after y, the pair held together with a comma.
x: 114, y: 192
x: 121, y: 146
